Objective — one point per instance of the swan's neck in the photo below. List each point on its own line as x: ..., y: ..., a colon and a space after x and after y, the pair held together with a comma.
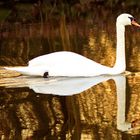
x: 120, y: 63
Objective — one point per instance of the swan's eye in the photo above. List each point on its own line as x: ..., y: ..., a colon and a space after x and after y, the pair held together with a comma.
x: 132, y: 18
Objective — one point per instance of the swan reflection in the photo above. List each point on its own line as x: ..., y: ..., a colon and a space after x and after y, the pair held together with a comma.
x: 64, y: 86
x: 69, y: 86
x: 120, y: 82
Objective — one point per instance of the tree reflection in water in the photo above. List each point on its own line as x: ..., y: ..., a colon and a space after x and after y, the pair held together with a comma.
x: 95, y: 113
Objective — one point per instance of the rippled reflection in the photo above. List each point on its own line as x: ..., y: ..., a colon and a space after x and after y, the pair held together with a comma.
x: 97, y: 110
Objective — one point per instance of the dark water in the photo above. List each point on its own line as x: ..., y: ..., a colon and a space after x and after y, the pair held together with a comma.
x: 109, y: 110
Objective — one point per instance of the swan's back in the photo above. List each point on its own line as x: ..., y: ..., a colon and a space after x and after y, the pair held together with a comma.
x: 63, y: 58
x: 68, y: 64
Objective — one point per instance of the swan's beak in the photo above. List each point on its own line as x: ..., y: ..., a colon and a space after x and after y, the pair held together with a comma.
x: 133, y: 22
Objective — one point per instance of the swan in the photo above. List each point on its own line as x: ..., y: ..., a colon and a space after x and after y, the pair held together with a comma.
x: 65, y: 63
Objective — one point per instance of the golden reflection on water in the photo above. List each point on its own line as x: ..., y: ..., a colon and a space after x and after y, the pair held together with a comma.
x: 101, y: 50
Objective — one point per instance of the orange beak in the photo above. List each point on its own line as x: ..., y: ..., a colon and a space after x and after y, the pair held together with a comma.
x: 133, y: 22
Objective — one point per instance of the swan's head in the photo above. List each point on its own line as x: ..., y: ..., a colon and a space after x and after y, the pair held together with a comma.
x: 126, y: 19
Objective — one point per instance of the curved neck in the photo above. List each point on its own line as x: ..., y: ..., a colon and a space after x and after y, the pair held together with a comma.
x: 120, y: 63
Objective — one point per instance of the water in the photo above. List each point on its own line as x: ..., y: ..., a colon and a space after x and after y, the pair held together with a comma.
x: 90, y: 108
x: 103, y: 107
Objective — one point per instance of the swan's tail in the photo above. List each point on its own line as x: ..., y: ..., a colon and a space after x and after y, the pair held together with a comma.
x: 25, y: 70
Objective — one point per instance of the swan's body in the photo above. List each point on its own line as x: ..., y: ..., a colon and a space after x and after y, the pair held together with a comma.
x: 64, y: 64
x: 71, y: 64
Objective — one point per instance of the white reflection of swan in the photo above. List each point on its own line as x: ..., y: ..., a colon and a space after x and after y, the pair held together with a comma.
x: 72, y: 64
x: 64, y: 86
x: 70, y: 86
x: 120, y: 82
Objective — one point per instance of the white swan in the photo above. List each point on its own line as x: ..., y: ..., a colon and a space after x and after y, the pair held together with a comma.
x: 71, y: 64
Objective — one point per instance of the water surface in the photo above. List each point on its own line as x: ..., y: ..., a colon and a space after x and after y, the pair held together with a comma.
x: 104, y: 107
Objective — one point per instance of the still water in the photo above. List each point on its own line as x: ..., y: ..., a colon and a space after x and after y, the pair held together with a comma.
x: 97, y: 108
